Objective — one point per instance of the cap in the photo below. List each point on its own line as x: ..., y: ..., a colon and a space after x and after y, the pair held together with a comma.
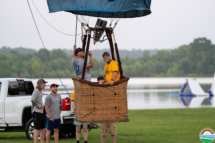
x: 100, y: 77
x: 40, y: 81
x: 78, y: 50
x: 53, y: 85
x: 105, y: 53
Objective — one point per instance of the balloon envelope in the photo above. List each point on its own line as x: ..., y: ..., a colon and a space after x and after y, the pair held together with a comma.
x: 102, y: 8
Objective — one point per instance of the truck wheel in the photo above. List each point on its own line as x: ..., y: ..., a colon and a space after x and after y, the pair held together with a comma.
x: 29, y: 129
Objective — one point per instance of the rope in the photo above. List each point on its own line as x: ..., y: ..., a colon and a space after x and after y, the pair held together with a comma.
x: 116, y: 23
x: 121, y: 113
x: 76, y: 29
x: 93, y: 124
x: 50, y: 24
x: 87, y: 113
x: 44, y: 47
x: 102, y: 109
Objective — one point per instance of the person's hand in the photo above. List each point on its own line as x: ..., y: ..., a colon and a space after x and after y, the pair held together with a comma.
x: 40, y: 106
x: 59, y: 112
x: 111, y: 82
x: 74, y: 47
x: 89, y: 53
x: 51, y: 119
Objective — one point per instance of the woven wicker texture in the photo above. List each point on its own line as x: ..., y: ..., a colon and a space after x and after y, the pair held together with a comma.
x: 95, y: 103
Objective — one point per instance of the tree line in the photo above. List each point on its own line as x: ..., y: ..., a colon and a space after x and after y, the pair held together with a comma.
x: 196, y: 59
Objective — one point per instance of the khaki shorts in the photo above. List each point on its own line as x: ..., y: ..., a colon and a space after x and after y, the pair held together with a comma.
x: 111, y: 126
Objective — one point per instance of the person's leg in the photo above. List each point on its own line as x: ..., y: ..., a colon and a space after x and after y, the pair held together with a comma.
x: 56, y: 129
x: 48, y: 134
x: 104, y: 128
x: 103, y: 138
x: 113, y: 137
x: 42, y: 135
x: 85, y: 132
x: 37, y: 126
x: 49, y: 128
x: 78, y: 130
x: 36, y: 134
x: 43, y: 128
x: 56, y: 135
x: 112, y: 129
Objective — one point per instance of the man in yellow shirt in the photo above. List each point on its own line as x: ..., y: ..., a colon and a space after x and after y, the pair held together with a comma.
x: 111, y: 74
x: 111, y: 69
x: 78, y: 125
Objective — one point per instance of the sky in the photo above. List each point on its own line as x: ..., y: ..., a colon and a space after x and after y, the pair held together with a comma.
x: 172, y: 23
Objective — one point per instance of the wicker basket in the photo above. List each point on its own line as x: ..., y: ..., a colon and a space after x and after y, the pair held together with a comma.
x: 98, y: 103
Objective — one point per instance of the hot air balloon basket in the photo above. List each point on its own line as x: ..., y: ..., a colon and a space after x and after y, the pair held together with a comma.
x: 99, y: 103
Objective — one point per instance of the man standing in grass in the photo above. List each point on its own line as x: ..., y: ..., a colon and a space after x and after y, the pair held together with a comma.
x: 78, y: 125
x: 53, y: 106
x: 111, y: 74
x: 38, y: 112
x: 78, y: 64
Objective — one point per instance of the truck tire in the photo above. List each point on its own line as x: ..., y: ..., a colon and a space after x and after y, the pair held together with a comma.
x: 29, y: 129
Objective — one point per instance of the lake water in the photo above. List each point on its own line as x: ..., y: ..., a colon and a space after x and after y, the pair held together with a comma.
x: 151, y: 93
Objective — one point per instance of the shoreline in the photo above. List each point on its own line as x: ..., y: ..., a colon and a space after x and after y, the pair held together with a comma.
x: 140, y: 81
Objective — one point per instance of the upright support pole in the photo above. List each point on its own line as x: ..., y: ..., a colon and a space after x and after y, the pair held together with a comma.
x: 84, y: 42
x: 118, y: 58
x: 76, y: 29
x: 86, y: 54
x: 109, y: 36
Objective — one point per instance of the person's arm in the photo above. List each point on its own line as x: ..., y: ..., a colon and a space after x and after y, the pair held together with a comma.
x: 74, y: 48
x: 113, y: 77
x: 105, y: 78
x: 104, y: 73
x: 73, y: 105
x: 47, y: 103
x: 33, y: 99
x: 60, y: 105
x: 91, y: 64
x: 115, y: 68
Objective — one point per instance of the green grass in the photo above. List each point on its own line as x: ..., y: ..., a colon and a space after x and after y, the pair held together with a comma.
x: 147, y: 126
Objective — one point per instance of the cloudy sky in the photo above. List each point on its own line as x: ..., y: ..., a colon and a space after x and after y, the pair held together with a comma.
x: 171, y: 24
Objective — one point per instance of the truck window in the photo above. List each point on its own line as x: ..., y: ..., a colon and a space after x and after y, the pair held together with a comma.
x: 20, y: 88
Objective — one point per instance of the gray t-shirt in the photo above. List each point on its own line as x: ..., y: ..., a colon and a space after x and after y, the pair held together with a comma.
x: 54, y: 105
x: 36, y: 99
x: 78, y: 64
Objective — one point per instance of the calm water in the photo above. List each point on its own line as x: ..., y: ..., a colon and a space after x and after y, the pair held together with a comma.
x: 152, y: 93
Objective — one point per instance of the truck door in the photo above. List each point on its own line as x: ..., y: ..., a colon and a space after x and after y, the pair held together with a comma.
x: 18, y: 96
x: 1, y: 104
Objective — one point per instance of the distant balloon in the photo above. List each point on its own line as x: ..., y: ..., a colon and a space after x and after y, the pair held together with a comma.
x: 102, y: 8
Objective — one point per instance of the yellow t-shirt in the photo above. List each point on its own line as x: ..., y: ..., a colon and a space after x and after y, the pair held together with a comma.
x: 73, y: 96
x: 109, y: 69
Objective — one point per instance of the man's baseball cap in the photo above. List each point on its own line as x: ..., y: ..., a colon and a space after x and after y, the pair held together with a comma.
x: 78, y: 50
x: 53, y: 85
x: 105, y: 54
x: 100, y: 77
x: 40, y: 81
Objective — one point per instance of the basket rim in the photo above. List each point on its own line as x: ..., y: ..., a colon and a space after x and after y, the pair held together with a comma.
x: 124, y: 79
x: 103, y: 121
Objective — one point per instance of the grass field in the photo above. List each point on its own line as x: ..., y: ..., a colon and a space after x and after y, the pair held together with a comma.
x: 147, y: 126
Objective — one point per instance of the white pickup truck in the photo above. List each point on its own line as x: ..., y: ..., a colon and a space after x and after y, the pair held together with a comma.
x: 15, y: 108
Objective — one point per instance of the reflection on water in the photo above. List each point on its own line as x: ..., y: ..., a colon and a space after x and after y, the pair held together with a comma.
x: 155, y: 98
